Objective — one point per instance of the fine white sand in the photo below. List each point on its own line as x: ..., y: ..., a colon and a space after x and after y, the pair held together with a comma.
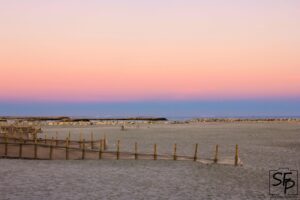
x: 263, y: 147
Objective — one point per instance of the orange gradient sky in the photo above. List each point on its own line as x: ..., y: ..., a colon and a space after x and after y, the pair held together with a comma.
x: 148, y: 50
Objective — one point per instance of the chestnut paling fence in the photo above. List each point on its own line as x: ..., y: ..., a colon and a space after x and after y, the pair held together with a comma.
x: 57, y: 149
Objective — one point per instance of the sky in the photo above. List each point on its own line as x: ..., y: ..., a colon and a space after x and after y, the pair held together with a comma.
x: 79, y: 57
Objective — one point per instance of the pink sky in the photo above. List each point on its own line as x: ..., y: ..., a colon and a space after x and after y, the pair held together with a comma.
x: 141, y: 50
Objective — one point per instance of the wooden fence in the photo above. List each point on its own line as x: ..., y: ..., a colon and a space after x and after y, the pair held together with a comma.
x: 20, y: 130
x: 55, y: 149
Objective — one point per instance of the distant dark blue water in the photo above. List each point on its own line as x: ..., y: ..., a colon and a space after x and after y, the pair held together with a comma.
x: 174, y: 110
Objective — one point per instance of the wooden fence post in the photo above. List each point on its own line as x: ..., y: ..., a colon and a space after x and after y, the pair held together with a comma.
x: 35, y: 149
x: 67, y: 148
x: 216, y: 154
x: 6, y: 145
x: 174, y: 154
x: 100, y: 149
x: 51, y: 150
x: 118, y: 149
x: 135, y: 151
x: 83, y: 150
x: 155, y: 152
x: 196, y: 152
x: 236, y: 157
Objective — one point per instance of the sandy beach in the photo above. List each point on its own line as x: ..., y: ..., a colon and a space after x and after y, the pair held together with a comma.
x: 263, y: 146
x: 150, y: 100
